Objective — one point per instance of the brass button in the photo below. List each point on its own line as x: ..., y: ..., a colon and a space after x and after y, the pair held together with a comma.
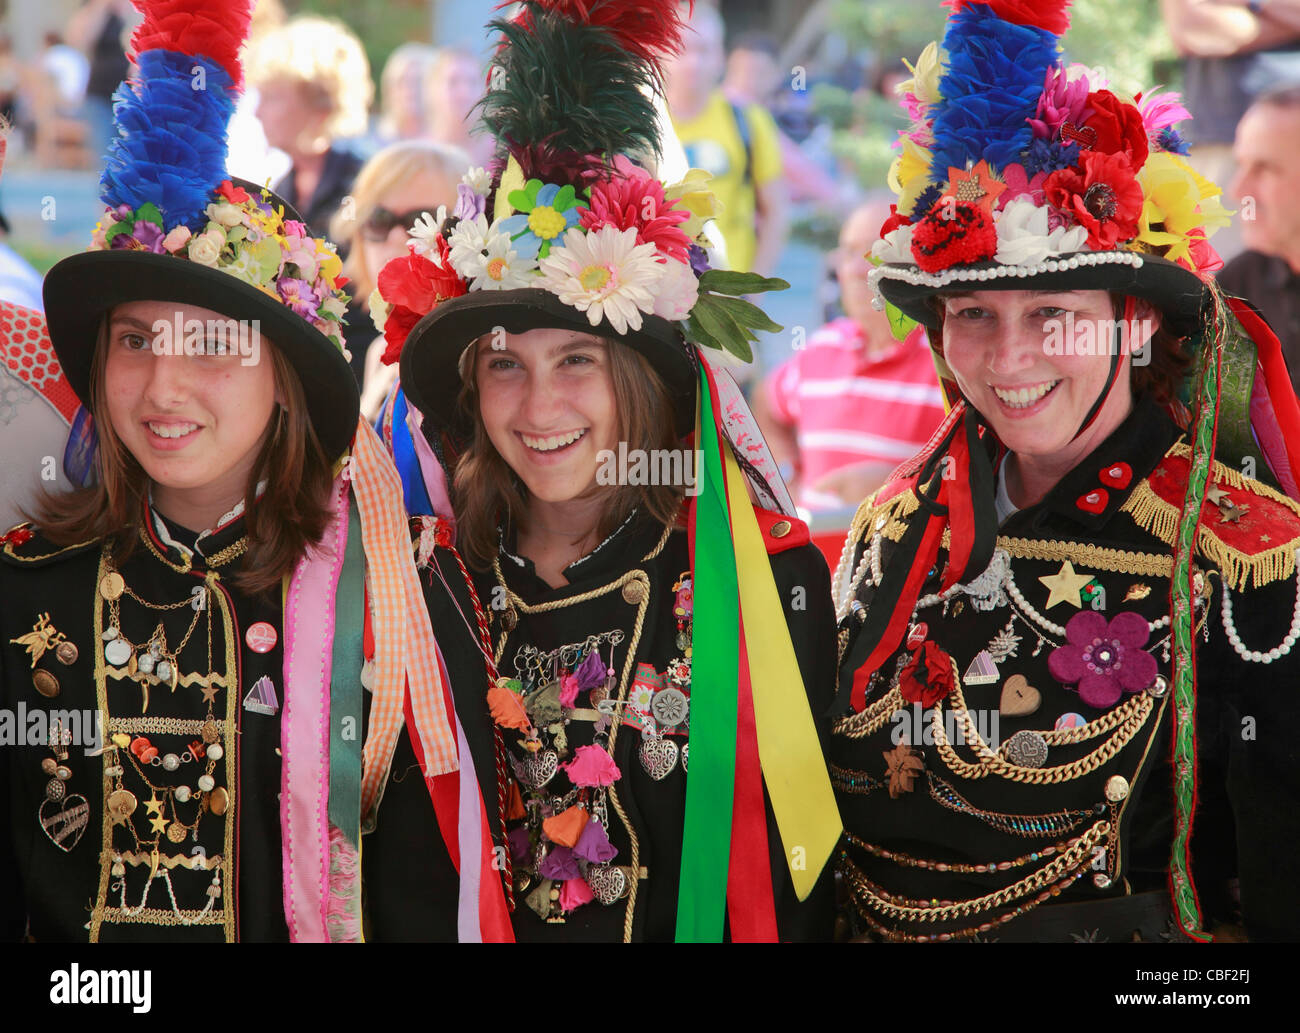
x: 633, y: 592
x: 46, y: 684
x: 1116, y: 788
x: 111, y: 585
x: 780, y: 529
x: 509, y: 619
x: 66, y: 653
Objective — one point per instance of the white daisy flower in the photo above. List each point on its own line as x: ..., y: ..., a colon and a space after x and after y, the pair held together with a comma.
x: 477, y: 180
x: 426, y: 231
x: 606, y: 274
x: 499, y: 267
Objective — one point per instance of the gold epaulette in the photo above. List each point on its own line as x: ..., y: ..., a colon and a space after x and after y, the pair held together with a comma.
x: 1248, y: 530
x: 888, y: 517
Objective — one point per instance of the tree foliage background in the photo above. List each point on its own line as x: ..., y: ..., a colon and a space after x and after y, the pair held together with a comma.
x: 1126, y: 38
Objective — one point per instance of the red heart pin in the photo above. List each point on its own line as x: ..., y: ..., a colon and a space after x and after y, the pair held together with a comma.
x: 917, y: 635
x: 1095, y: 501
x: 1118, y: 475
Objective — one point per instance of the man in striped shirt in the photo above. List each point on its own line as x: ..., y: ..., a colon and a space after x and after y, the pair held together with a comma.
x: 855, y: 401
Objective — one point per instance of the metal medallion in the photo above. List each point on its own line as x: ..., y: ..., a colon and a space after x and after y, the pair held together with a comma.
x: 670, y: 707
x: 66, y: 653
x: 1026, y: 749
x: 111, y: 585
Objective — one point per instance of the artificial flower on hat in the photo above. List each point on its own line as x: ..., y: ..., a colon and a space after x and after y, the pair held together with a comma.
x: 997, y: 93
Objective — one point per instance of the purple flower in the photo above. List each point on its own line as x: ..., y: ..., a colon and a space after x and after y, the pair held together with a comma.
x: 699, y: 259
x: 559, y: 863
x: 299, y: 296
x: 1105, y: 658
x: 150, y: 236
x: 520, y: 846
x: 594, y: 845
x: 469, y: 204
x: 1171, y: 140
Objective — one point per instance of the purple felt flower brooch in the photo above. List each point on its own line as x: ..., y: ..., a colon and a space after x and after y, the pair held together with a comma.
x: 1104, y: 658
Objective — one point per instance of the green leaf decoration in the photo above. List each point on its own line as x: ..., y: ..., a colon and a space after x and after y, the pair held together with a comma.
x: 117, y: 228
x: 747, y: 313
x: 148, y: 212
x: 900, y: 324
x: 724, y: 281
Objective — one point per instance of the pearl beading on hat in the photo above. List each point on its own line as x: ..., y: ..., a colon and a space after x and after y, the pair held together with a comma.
x: 917, y: 277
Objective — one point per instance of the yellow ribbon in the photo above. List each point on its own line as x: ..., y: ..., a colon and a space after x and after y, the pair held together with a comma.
x: 789, y: 750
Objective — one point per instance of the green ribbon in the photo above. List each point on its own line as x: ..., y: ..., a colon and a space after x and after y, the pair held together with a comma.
x: 715, y: 671
x: 345, y: 686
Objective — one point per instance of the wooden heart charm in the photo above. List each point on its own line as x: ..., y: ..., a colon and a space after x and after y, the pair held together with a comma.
x: 1093, y: 502
x: 658, y: 757
x: 1019, y: 698
x: 65, y: 820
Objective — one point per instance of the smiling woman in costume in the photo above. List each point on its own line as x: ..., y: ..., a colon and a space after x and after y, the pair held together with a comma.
x: 624, y: 697
x: 203, y: 597
x: 1067, y: 627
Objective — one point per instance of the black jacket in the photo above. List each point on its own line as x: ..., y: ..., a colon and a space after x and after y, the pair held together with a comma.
x: 59, y: 893
x: 411, y: 886
x: 1106, y: 518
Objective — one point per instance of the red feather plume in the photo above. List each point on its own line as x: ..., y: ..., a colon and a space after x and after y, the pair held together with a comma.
x: 213, y: 29
x: 1050, y: 15
x: 649, y: 29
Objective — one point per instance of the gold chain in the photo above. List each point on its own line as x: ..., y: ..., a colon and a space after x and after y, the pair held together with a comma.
x: 1076, y: 856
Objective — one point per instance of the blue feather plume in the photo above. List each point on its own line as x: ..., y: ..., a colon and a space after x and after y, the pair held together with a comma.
x: 991, y: 85
x: 171, y: 142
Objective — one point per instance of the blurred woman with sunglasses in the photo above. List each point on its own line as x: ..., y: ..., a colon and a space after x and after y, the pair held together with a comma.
x: 391, y: 191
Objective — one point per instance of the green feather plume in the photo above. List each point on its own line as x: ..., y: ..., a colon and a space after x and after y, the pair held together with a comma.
x: 559, y: 87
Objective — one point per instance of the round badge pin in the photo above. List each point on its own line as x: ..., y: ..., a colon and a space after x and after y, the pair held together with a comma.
x: 261, y: 637
x: 1066, y: 722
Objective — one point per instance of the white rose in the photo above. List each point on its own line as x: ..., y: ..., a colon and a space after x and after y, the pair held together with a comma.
x: 894, y: 247
x: 205, y: 249
x: 332, y: 306
x: 1022, y: 233
x: 225, y: 214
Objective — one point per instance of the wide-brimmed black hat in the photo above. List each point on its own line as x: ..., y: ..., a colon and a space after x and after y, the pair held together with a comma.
x: 1179, y: 294
x: 79, y: 291
x: 430, y: 363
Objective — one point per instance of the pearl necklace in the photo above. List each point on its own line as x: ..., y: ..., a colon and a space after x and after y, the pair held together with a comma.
x: 1277, y: 652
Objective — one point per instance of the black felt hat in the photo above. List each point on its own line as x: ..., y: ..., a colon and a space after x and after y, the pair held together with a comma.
x: 79, y: 291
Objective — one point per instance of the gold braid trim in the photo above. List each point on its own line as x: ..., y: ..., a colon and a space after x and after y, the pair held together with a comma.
x: 1099, y: 557
x: 1239, y: 569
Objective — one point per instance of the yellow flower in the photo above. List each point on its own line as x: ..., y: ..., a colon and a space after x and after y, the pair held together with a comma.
x: 925, y: 75
x: 1178, y: 200
x: 330, y: 263
x: 909, y: 175
x: 694, y: 195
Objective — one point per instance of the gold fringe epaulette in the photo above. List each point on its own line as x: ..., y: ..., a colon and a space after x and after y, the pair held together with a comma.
x: 1249, y: 531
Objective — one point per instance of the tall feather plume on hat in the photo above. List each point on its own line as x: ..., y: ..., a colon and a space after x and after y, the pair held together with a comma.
x: 165, y: 182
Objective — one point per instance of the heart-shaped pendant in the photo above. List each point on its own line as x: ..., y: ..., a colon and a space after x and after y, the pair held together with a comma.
x: 1019, y: 698
x: 607, y: 882
x: 539, y: 768
x: 658, y: 757
x: 686, y: 755
x: 61, y: 820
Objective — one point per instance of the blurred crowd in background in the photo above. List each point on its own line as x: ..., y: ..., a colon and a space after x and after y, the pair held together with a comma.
x: 360, y: 115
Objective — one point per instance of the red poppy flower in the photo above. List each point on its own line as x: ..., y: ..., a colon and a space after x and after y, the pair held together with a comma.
x: 1050, y: 15
x: 1119, y: 128
x: 419, y: 283
x: 928, y: 675
x: 397, y: 328
x: 232, y: 193
x: 1101, y: 194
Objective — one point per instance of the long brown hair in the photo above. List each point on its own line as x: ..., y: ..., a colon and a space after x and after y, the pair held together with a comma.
x: 282, y: 523
x: 486, y: 491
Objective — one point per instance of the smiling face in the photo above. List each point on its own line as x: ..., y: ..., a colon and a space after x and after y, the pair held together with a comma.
x: 547, y: 403
x: 195, y: 423
x: 1033, y: 383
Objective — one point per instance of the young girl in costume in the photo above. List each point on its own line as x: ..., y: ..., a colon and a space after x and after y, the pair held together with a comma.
x: 1067, y: 628
x: 187, y: 635
x: 644, y: 649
